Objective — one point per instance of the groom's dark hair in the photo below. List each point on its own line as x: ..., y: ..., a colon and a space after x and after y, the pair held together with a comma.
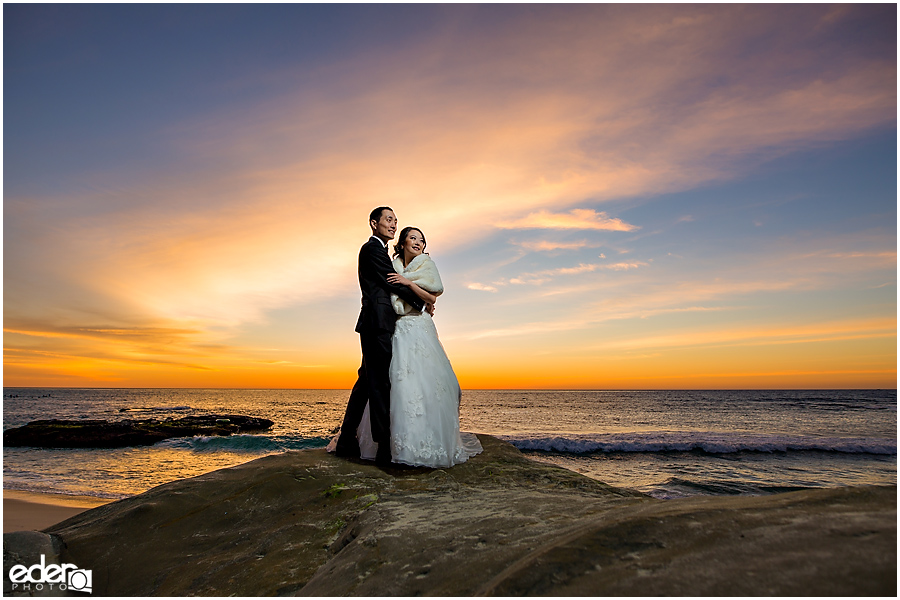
x: 375, y: 215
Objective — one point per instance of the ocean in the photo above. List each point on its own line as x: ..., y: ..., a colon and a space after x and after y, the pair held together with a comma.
x: 668, y: 444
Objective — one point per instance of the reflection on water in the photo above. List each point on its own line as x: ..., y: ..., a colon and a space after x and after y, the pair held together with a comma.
x: 303, y: 419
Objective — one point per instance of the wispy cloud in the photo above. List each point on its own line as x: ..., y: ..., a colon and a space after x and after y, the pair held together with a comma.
x: 481, y: 287
x: 578, y: 218
x: 875, y: 257
x: 849, y: 329
x: 550, y: 246
x: 541, y: 277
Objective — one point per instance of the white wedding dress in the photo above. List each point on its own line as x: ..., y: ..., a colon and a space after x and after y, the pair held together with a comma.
x: 425, y: 397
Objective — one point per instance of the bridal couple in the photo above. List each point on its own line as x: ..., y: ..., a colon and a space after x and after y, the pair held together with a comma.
x: 404, y: 407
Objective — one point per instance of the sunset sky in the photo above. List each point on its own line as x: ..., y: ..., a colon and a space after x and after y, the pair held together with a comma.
x: 617, y: 196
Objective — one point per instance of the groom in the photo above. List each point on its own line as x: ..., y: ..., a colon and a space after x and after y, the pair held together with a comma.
x: 375, y: 328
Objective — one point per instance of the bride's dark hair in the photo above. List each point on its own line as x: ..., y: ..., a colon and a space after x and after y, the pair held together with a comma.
x: 401, y: 239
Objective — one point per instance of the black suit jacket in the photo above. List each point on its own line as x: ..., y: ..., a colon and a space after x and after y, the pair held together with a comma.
x: 377, y: 313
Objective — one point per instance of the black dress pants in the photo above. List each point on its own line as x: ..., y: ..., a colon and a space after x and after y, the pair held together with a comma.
x: 372, y: 386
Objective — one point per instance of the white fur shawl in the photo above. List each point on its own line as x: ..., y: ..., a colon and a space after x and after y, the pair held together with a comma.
x: 422, y: 271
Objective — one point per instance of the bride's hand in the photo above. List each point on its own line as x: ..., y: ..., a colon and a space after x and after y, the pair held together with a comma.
x: 398, y: 279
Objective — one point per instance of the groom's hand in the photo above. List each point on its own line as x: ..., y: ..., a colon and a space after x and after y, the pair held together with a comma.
x: 429, y: 308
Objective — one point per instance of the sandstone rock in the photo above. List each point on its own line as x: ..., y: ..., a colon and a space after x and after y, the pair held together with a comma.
x: 309, y: 523
x: 26, y: 548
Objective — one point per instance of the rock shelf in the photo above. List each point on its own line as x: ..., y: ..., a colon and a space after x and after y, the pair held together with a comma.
x: 56, y: 433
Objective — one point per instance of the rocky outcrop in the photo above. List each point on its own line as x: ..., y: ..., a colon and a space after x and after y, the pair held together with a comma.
x: 309, y: 523
x: 57, y: 433
x: 26, y: 548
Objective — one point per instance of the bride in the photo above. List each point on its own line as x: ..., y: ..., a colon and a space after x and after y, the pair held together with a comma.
x: 425, y: 393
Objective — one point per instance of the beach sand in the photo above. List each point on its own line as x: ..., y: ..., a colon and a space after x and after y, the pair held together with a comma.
x: 309, y: 523
x: 27, y: 511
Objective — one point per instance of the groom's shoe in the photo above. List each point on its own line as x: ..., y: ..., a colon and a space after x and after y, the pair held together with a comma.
x: 347, y: 449
x: 383, y: 458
